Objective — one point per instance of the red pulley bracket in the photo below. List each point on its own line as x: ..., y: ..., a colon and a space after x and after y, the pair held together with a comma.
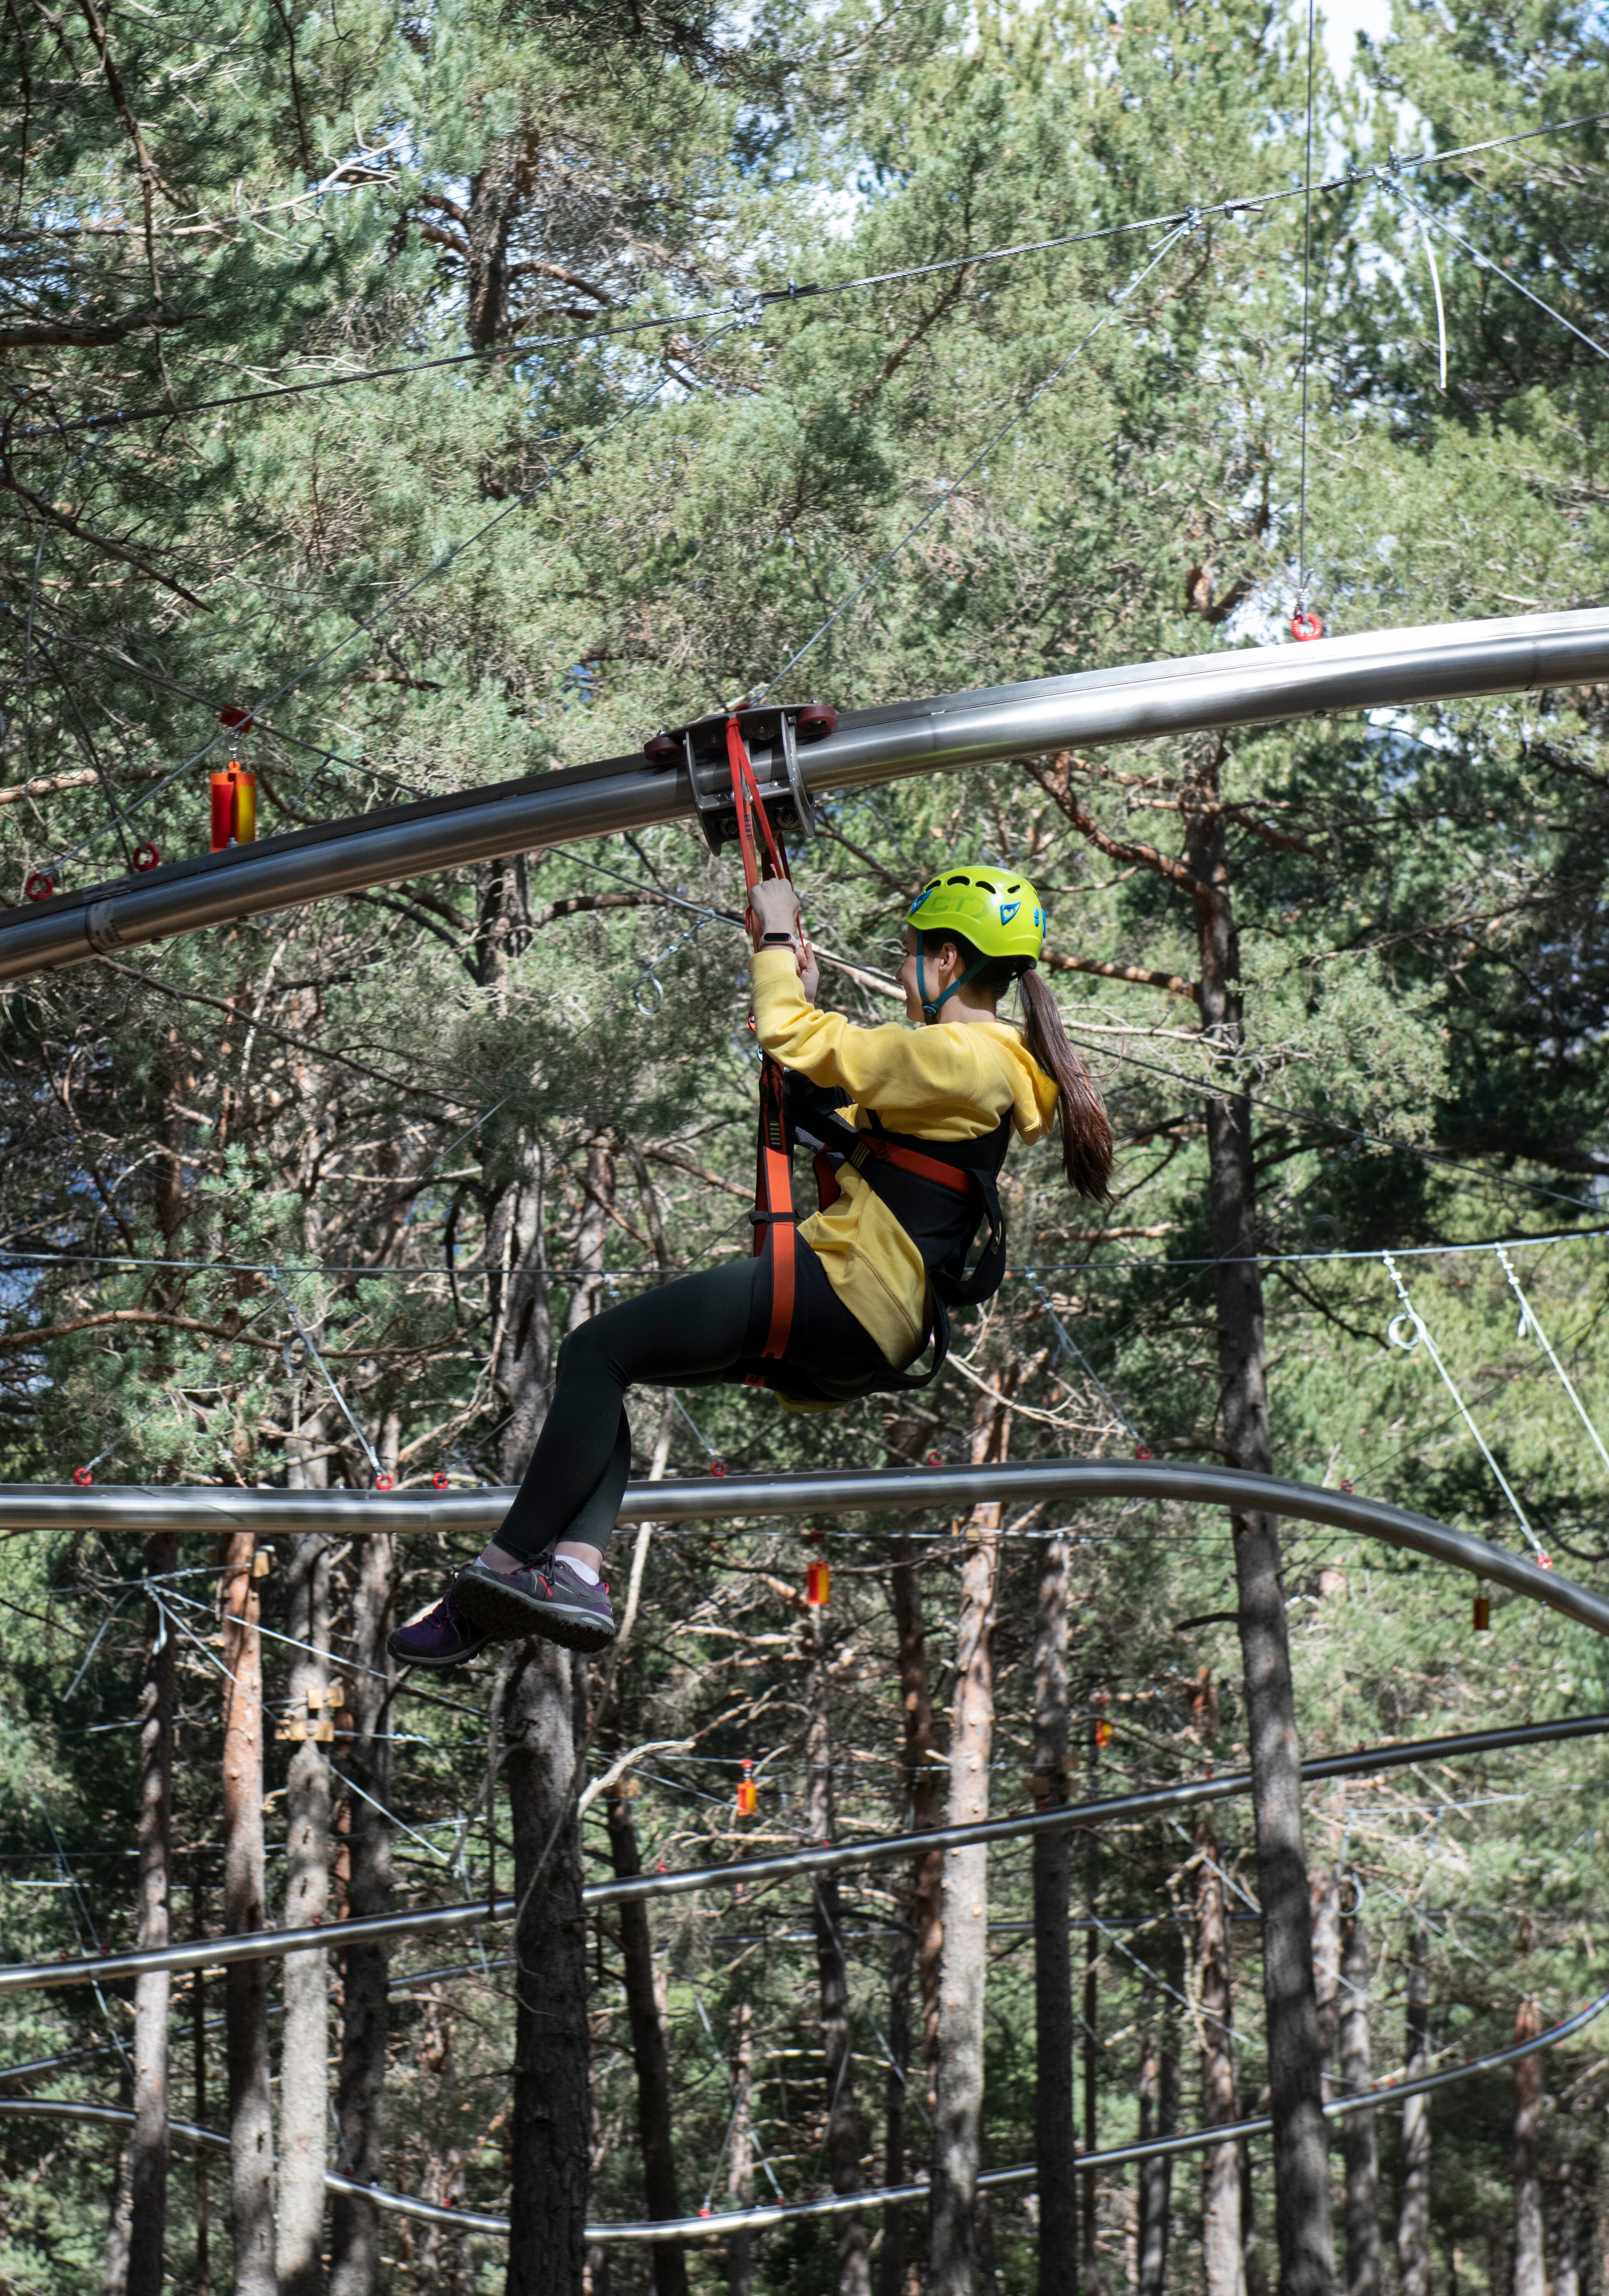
x: 38, y: 885
x: 239, y: 721
x: 1305, y: 626
x: 146, y: 856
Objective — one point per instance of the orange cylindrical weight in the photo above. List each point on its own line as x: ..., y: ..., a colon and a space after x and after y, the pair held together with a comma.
x: 1482, y: 1612
x: 223, y: 809
x: 245, y: 806
x: 818, y: 1586
x: 745, y: 1798
x: 1103, y: 1734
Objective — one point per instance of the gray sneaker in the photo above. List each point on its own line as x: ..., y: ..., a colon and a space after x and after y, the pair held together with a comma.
x: 546, y: 1598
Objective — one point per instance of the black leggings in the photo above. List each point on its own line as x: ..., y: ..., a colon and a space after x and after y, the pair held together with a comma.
x: 704, y: 1331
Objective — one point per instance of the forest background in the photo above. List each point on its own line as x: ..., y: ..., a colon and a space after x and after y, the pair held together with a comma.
x: 427, y: 1128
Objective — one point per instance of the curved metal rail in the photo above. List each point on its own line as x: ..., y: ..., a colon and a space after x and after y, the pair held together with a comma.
x: 892, y: 1490
x: 333, y: 1937
x: 721, y: 2226
x: 1240, y: 686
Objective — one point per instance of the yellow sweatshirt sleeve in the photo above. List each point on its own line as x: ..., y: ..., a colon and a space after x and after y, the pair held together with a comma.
x: 948, y: 1082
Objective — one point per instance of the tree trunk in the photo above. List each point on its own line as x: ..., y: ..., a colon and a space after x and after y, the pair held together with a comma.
x: 1159, y: 2116
x: 1055, y: 2150
x: 1301, y: 2135
x: 1091, y: 2004
x: 1530, y: 2272
x: 360, y: 2091
x: 1413, y: 2222
x: 832, y: 1975
x: 649, y: 2055
x: 1220, y: 2176
x: 739, y: 2177
x: 142, y: 2272
x: 304, y: 2047
x: 922, y: 1778
x: 902, y: 1964
x: 953, y: 2233
x: 550, y: 2148
x: 1566, y: 2275
x: 246, y: 1982
x: 1358, y: 2129
x: 1326, y: 1962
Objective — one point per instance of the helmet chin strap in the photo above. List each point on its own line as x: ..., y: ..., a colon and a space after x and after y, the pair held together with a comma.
x: 930, y: 1012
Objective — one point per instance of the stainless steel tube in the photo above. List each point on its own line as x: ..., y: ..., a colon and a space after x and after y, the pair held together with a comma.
x: 471, y: 1515
x: 718, y: 2227
x: 333, y: 1937
x: 1241, y: 686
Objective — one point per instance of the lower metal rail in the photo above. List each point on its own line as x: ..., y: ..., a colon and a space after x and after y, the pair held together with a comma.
x: 720, y: 2227
x: 335, y: 1937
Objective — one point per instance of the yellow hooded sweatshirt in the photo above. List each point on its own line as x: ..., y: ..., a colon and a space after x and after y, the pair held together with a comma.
x: 953, y: 1081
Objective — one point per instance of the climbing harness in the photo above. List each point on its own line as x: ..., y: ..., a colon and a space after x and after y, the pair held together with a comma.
x: 938, y: 1191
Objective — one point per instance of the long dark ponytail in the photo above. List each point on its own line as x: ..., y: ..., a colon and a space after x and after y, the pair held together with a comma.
x: 1086, y: 1128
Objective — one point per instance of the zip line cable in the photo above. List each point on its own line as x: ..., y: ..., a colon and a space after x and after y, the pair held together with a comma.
x: 756, y: 299
x: 1352, y: 1131
x: 1485, y: 262
x: 1421, y: 1331
x: 15, y: 1257
x: 1528, y: 1322
x: 1191, y: 223
x: 388, y: 606
x: 1307, y: 246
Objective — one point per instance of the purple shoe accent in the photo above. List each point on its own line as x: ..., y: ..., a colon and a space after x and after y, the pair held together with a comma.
x: 546, y: 1598
x: 442, y: 1638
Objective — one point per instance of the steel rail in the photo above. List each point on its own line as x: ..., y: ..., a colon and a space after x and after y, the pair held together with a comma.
x: 896, y: 1490
x: 1190, y: 693
x: 210, y: 1952
x: 721, y: 2226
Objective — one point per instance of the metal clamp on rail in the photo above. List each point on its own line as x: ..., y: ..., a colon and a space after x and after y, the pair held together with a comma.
x: 772, y: 733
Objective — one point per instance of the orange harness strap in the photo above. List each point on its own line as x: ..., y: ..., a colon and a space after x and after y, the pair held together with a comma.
x: 774, y: 1212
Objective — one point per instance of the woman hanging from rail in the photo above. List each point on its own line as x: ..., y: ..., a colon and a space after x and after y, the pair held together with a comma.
x: 913, y: 1125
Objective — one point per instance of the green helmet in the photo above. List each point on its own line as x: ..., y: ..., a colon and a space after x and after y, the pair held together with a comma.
x: 994, y: 909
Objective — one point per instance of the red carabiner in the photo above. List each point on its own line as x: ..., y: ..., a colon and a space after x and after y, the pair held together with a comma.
x: 1305, y: 626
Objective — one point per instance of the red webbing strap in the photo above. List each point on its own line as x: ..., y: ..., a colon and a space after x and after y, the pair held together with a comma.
x: 773, y: 1208
x: 912, y: 1160
x: 773, y: 1173
x: 751, y: 808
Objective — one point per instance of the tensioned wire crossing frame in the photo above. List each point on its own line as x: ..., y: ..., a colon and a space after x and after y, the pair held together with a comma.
x: 901, y: 1490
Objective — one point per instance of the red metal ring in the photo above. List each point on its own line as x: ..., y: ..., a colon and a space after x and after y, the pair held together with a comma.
x: 717, y: 1466
x: 1544, y: 1562
x: 439, y: 1481
x: 1142, y: 1450
x: 83, y: 1475
x: 382, y: 1482
x: 38, y: 885
x: 1306, y: 625
x: 935, y: 1459
x: 145, y: 855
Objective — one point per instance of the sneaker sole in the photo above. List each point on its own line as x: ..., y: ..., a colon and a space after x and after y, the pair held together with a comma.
x: 438, y: 1665
x: 504, y: 1613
